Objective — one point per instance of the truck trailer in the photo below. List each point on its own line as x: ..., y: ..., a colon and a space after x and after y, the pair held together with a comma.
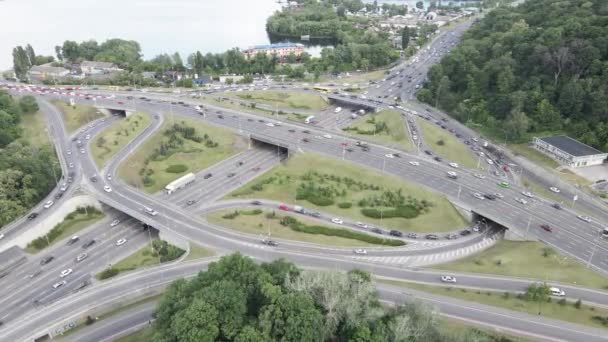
x: 180, y: 183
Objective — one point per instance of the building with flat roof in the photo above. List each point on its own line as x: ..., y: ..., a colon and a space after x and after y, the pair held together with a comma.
x: 46, y: 71
x: 281, y: 50
x: 568, y: 151
x: 94, y: 67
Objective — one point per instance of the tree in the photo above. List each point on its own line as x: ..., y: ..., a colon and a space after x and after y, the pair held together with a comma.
x: 442, y: 89
x: 31, y: 55
x: 197, y: 323
x: 28, y: 104
x: 539, y: 293
x: 58, y: 53
x: 517, y: 123
x: 198, y: 64
x: 20, y: 63
x: 178, y: 64
x: 70, y: 51
x: 420, y: 5
x: 292, y: 317
x: 341, y: 11
x: 405, y: 37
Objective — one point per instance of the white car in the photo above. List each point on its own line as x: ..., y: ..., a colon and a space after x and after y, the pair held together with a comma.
x: 65, y: 273
x: 477, y: 195
x: 327, y: 136
x: 88, y: 136
x: 448, y: 279
x: 69, y: 152
x: 389, y: 155
x: 71, y: 165
x: 556, y: 291
x: 81, y: 257
x: 475, y: 139
x: 82, y: 150
x: 414, y: 163
x: 521, y: 200
x: 336, y: 220
x: 454, y: 165
x: 498, y: 194
x: 114, y: 223
x: 527, y: 194
x: 479, y: 175
x: 360, y: 251
x: 59, y: 284
x: 584, y: 218
x: 107, y: 188
x: 121, y: 242
x: 270, y: 124
x: 64, y: 187
x: 452, y: 174
x: 360, y: 224
x: 109, y: 177
x: 48, y: 204
x: 554, y: 189
x: 1, y: 236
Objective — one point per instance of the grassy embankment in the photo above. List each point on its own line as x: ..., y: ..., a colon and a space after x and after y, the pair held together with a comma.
x: 386, y: 127
x: 160, y: 160
x: 347, y: 190
x: 76, y: 116
x: 446, y: 145
x: 112, y: 139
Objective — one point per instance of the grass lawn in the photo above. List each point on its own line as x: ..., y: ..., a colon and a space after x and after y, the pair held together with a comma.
x: 284, y: 98
x: 527, y: 260
x: 395, y: 134
x: 77, y: 116
x: 533, y: 155
x: 71, y: 225
x: 193, y: 155
x: 115, y: 137
x: 141, y: 258
x: 144, y: 335
x: 281, y: 184
x: 565, y: 312
x: 455, y: 327
x: 259, y: 224
x: 198, y: 252
x: 452, y: 148
x: 34, y: 129
x: 247, y: 108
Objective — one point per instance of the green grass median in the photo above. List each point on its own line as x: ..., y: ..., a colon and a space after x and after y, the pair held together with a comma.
x: 446, y: 145
x: 76, y: 116
x: 386, y: 127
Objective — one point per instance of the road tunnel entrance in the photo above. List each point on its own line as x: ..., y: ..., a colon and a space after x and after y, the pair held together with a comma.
x: 483, y: 224
x: 281, y: 149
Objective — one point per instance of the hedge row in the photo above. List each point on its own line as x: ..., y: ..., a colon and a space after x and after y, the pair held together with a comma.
x: 407, y: 212
x: 344, y: 233
x: 176, y: 168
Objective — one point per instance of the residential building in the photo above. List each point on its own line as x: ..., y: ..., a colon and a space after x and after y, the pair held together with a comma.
x: 46, y: 71
x: 234, y: 78
x: 569, y: 152
x: 94, y: 68
x: 202, y: 80
x: 281, y: 50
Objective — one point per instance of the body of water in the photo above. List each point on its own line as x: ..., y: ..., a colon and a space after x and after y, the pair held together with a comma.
x: 158, y: 25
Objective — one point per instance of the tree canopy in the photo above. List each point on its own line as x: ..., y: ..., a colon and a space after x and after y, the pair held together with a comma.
x: 237, y: 299
x: 540, y: 67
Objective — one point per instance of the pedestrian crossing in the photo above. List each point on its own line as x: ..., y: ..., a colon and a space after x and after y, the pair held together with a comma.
x: 431, y: 259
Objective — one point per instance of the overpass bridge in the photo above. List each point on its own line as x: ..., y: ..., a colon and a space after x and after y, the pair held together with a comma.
x: 353, y: 101
x: 116, y: 109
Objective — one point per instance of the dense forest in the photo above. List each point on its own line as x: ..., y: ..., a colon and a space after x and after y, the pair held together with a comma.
x: 239, y: 300
x: 26, y: 173
x: 539, y: 68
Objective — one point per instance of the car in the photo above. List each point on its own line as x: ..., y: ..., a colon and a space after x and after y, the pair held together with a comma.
x: 32, y: 216
x: 360, y: 251
x: 327, y: 136
x: 35, y: 274
x: 465, y: 232
x: 88, y: 137
x: 81, y: 257
x: 255, y: 169
x: 284, y: 207
x: 377, y: 231
x: 82, y: 151
x: 521, y: 200
x: 389, y: 155
x: 527, y: 194
x: 256, y: 202
x: 396, y: 155
x: 491, y: 197
x: 48, y: 204
x: 396, y: 233
x: 231, y: 174
x: 190, y: 202
x: 292, y: 130
x: 554, y: 189
x: 477, y: 195
x: 437, y: 158
x: 448, y: 279
x: 454, y: 165
x: 498, y: 194
x: 337, y: 220
x: 121, y: 242
x: 69, y: 152
x: 65, y: 272
x: 73, y: 240
x: 428, y: 152
x: 270, y: 242
x: 88, y: 243
x: 584, y: 218
x: 452, y: 174
x: 361, y: 225
x: 207, y: 176
x: 71, y: 165
x: 150, y: 211
x: 59, y: 284
x: 93, y: 179
x: 556, y: 291
x: 546, y: 227
x: 431, y: 237
x: 109, y: 177
x: 412, y: 235
x: 306, y: 131
x: 504, y: 184
x: 240, y: 163
x: 556, y: 206
x: 305, y: 140
x: 115, y: 223
x: 106, y: 188
x: 479, y: 175
x: 81, y: 285
x: 64, y: 187
x: 270, y: 124
x: 414, y: 163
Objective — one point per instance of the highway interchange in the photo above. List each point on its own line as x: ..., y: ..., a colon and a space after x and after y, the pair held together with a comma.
x: 573, y: 237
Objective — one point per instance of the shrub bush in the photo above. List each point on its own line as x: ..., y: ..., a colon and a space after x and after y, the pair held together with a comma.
x: 578, y: 304
x: 407, y: 212
x: 108, y: 273
x: 232, y: 215
x: 177, y: 168
x: 345, y: 205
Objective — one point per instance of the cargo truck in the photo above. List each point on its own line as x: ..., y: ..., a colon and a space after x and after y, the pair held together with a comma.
x: 180, y: 183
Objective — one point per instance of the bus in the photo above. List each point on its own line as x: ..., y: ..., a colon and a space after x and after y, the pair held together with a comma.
x: 309, y: 119
x: 322, y: 89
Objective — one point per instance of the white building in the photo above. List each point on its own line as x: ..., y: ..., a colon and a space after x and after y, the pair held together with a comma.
x: 46, y: 71
x: 95, y: 68
x: 569, y: 152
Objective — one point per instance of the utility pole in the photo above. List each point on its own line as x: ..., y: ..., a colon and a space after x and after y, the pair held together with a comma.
x: 592, y: 252
x: 528, y: 228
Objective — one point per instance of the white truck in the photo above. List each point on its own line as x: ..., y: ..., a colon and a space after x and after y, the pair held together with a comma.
x: 180, y: 183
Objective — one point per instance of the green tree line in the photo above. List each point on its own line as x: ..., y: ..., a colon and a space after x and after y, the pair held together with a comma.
x: 538, y: 68
x: 239, y: 300
x: 26, y: 172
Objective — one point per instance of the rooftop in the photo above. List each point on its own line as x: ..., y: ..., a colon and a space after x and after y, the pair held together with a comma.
x: 94, y: 64
x: 571, y: 146
x: 48, y: 69
x: 276, y: 46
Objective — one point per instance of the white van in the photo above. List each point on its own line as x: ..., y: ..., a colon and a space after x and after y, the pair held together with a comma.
x: 150, y: 211
x: 556, y: 291
x: 309, y: 119
x: 338, y: 110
